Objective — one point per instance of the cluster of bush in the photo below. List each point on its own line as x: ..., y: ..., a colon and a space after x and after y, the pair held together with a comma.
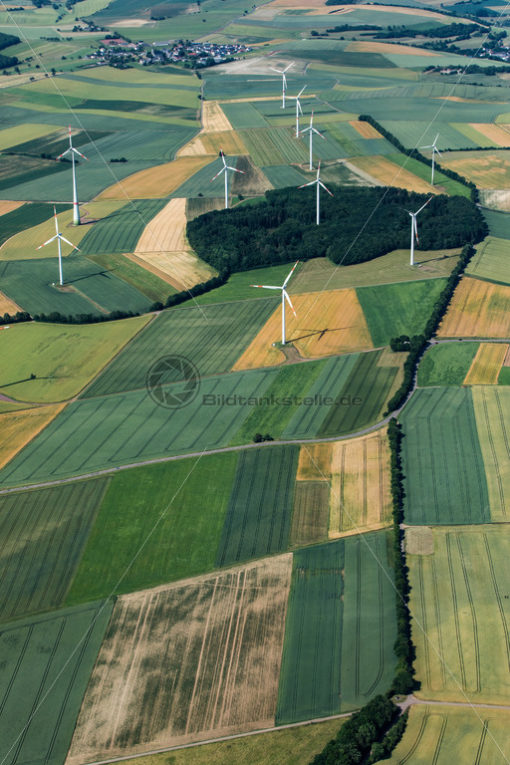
x: 282, y: 227
x: 8, y: 318
x: 415, y: 154
x: 83, y: 318
x: 417, y: 344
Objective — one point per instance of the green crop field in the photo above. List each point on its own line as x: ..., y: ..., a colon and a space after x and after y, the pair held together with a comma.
x: 442, y: 461
x: 17, y: 170
x: 444, y: 733
x: 340, y: 628
x: 140, y: 278
x: 424, y: 171
x: 446, y: 364
x: 63, y: 358
x: 120, y: 231
x: 244, y: 115
x: 491, y: 261
x: 239, y: 286
x: 396, y: 309
x: 89, y: 289
x: 24, y: 217
x: 45, y: 668
x: 499, y: 224
x: 285, y: 397
x: 273, y: 146
x: 260, y: 506
x: 460, y: 615
x: 159, y: 524
x: 104, y: 432
x: 212, y: 337
x: 362, y: 397
x: 43, y: 536
x: 493, y: 422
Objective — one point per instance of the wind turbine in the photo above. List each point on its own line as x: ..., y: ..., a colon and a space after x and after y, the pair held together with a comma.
x: 72, y: 151
x: 311, y: 130
x: 318, y: 183
x: 225, y: 170
x: 284, y: 80
x: 59, y: 237
x: 285, y: 297
x: 414, y: 228
x: 298, y: 108
x: 435, y: 151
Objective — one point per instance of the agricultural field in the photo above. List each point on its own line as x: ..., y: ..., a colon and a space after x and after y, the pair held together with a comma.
x: 386, y: 173
x: 290, y: 746
x: 487, y: 170
x: 478, y: 309
x: 460, y: 615
x: 442, y: 459
x: 329, y: 663
x: 493, y: 424
x: 487, y: 364
x: 26, y: 216
x: 259, y: 512
x: 209, y: 336
x: 316, y: 329
x: 7, y: 305
x: 446, y: 733
x: 62, y: 358
x: 151, y: 283
x: 217, y: 639
x: 46, y: 664
x: 160, y: 507
x: 210, y: 143
x: 44, y: 533
x: 121, y: 230
x: 156, y: 182
x: 498, y: 222
x: 20, y: 427
x: 490, y: 261
x: 446, y: 364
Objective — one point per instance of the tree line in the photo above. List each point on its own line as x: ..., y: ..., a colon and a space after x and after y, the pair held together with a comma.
x: 357, y: 225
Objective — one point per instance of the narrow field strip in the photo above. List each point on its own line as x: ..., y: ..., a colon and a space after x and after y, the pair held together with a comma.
x: 156, y: 182
x: 486, y: 365
x: 492, y: 412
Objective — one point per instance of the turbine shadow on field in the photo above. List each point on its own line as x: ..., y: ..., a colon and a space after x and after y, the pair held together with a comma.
x: 320, y: 332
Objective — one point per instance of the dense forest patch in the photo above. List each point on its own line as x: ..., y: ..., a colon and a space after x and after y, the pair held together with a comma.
x: 357, y: 224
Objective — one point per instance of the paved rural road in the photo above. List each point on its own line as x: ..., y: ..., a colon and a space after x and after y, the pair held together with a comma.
x: 265, y: 444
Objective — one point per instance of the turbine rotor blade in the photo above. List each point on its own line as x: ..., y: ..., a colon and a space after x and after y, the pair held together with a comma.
x: 68, y: 242
x: 79, y: 153
x: 218, y: 173
x: 265, y: 286
x: 234, y: 169
x: 312, y: 183
x: 301, y: 91
x: 284, y: 81
x: 287, y: 298
x: 325, y: 188
x: 423, y: 206
x: 290, y: 274
x: 67, y: 151
x: 289, y: 66
x: 48, y: 242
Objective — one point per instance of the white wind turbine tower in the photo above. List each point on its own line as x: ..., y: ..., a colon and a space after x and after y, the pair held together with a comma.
x: 72, y: 151
x: 298, y: 108
x: 225, y: 170
x: 284, y: 80
x: 318, y: 183
x: 435, y: 151
x: 414, y: 229
x: 59, y: 237
x: 285, y: 297
x: 311, y: 130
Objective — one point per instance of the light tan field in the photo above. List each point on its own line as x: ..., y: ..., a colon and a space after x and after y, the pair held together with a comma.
x: 18, y: 428
x: 506, y: 362
x: 495, y: 199
x: 217, y: 642
x: 496, y: 133
x: 487, y: 171
x: 7, y: 207
x: 320, y: 7
x: 156, y: 182
x: 486, y: 365
x: 419, y: 540
x: 365, y: 129
x: 327, y: 324
x: 360, y: 498
x: 478, y: 309
x: 180, y: 269
x: 211, y: 143
x: 369, y: 46
x: 214, y: 118
x: 166, y: 231
x: 315, y: 462
x: 7, y: 305
x: 390, y: 174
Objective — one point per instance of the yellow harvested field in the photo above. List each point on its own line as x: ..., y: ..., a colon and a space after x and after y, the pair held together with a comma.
x: 166, y: 231
x: 365, y: 129
x: 180, y: 269
x: 320, y: 7
x: 211, y: 143
x: 215, y: 640
x: 360, y: 498
x: 214, y: 118
x: 369, y: 46
x: 156, y: 182
x: 506, y: 362
x: 487, y: 363
x: 390, y: 174
x: 18, y: 428
x: 478, y: 309
x: 7, y: 305
x: 315, y: 462
x: 326, y: 324
x: 496, y: 133
x: 7, y: 207
x: 487, y: 171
